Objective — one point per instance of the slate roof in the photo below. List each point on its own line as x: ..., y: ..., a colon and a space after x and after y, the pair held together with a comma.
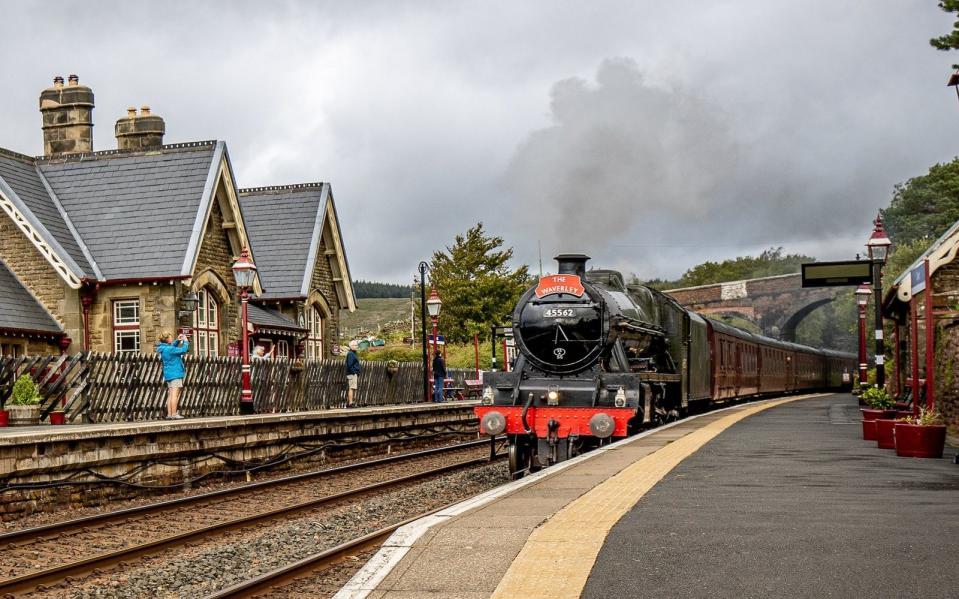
x: 21, y: 174
x: 282, y: 224
x: 268, y: 317
x: 19, y: 310
x: 134, y: 211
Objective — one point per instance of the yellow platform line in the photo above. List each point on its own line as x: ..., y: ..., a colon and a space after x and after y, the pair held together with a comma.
x: 559, y: 555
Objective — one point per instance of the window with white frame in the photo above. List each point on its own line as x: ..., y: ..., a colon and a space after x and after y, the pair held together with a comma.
x: 126, y: 326
x: 206, y: 325
x: 314, y: 336
x: 282, y: 350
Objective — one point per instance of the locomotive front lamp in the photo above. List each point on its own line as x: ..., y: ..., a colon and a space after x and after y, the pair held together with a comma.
x: 620, y: 400
x: 552, y: 395
x: 487, y: 396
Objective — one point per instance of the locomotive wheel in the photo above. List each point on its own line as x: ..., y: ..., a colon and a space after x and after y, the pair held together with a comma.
x: 520, y: 459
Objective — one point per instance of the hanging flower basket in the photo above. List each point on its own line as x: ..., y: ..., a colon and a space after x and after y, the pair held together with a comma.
x: 919, y: 440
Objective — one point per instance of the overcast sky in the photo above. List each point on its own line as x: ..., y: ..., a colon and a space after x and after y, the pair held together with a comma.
x: 650, y: 135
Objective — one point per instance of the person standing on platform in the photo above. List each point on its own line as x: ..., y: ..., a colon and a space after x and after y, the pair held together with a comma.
x: 353, y: 370
x: 439, y: 377
x: 173, y: 369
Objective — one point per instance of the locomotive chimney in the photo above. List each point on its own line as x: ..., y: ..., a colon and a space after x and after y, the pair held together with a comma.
x: 572, y: 264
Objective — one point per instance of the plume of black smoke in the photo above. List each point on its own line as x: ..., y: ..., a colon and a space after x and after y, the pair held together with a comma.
x: 621, y: 152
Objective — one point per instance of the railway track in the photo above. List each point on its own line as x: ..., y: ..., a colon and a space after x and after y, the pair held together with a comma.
x: 160, y: 526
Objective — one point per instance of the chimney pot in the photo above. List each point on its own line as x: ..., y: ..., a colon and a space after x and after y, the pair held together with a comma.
x: 131, y: 111
x: 74, y: 80
x: 67, y: 116
x: 58, y: 81
x: 144, y: 110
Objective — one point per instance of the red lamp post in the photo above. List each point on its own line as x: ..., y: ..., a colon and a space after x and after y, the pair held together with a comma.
x: 878, y: 246
x: 862, y: 299
x: 433, y: 306
x: 245, y: 272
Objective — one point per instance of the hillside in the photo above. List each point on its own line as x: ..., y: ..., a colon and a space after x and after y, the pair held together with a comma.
x: 372, y: 314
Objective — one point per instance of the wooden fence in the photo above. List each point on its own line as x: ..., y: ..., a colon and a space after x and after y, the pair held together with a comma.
x: 96, y: 387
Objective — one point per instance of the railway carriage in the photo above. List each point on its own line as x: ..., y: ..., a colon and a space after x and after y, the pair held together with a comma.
x: 599, y: 360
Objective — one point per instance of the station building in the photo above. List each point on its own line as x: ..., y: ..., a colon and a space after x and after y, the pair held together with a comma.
x: 923, y: 302
x: 99, y: 249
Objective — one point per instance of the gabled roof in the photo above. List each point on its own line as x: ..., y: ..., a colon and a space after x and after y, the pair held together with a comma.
x: 19, y: 310
x: 270, y: 318
x: 285, y: 225
x: 135, y: 211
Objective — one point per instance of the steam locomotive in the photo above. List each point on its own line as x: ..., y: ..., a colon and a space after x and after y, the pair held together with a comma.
x: 599, y: 360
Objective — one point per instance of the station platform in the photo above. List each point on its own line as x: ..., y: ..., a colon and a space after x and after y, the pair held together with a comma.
x: 42, y: 467
x: 777, y: 498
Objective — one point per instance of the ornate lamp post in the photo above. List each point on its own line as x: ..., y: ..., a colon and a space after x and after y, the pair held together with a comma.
x: 878, y: 246
x: 862, y: 299
x: 433, y: 305
x: 245, y: 272
x: 426, y: 362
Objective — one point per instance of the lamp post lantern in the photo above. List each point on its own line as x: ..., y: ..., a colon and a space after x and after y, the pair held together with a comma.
x: 862, y: 299
x: 426, y: 363
x: 245, y: 272
x: 878, y: 247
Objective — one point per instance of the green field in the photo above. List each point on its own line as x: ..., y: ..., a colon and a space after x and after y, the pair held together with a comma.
x: 374, y: 314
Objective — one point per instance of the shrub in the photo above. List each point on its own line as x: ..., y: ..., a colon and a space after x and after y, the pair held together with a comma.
x: 929, y: 417
x: 878, y: 399
x: 24, y: 392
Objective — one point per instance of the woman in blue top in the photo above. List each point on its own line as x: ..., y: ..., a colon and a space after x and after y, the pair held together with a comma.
x: 173, y: 369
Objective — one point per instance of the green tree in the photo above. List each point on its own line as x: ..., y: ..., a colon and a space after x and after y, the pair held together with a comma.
x: 769, y: 263
x: 949, y: 41
x: 476, y: 285
x: 924, y: 206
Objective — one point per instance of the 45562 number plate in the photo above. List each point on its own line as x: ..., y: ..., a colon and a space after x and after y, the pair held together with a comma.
x: 558, y: 312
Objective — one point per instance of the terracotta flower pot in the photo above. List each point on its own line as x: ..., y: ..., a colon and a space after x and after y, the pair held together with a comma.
x: 918, y: 441
x: 884, y: 433
x: 58, y: 418
x: 869, y: 430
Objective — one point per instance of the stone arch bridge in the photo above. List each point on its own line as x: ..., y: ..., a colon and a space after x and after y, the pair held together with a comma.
x: 775, y: 304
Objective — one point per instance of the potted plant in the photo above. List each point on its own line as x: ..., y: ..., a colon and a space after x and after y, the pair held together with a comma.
x: 923, y: 437
x: 58, y: 416
x: 24, y: 404
x: 880, y: 406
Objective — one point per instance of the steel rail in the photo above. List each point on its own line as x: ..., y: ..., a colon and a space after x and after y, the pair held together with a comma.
x: 59, y: 528
x: 307, y: 565
x: 37, y: 580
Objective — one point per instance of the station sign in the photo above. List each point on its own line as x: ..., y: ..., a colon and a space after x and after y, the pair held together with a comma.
x: 440, y: 340
x: 917, y: 279
x: 849, y: 273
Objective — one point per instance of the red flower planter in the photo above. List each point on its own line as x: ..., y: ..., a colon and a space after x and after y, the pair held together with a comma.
x: 869, y: 432
x: 58, y: 418
x: 916, y: 441
x: 869, y: 418
x: 884, y: 433
x: 870, y: 414
x: 4, y: 418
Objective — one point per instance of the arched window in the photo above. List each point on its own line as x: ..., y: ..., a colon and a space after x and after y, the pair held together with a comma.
x: 206, y: 325
x: 314, y: 336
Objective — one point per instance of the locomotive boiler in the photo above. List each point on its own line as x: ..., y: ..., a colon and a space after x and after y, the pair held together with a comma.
x: 599, y: 360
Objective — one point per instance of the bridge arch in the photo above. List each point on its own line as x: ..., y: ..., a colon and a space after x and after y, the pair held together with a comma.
x: 788, y: 331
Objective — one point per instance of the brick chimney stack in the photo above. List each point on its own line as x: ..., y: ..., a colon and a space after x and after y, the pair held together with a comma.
x: 139, y: 132
x: 67, y: 117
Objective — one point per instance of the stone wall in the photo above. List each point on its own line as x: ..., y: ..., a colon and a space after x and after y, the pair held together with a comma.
x: 168, y: 453
x: 322, y: 281
x: 33, y: 270
x: 215, y: 254
x: 157, y: 313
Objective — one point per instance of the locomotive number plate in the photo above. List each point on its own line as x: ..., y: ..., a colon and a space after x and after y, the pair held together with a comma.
x: 558, y: 312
